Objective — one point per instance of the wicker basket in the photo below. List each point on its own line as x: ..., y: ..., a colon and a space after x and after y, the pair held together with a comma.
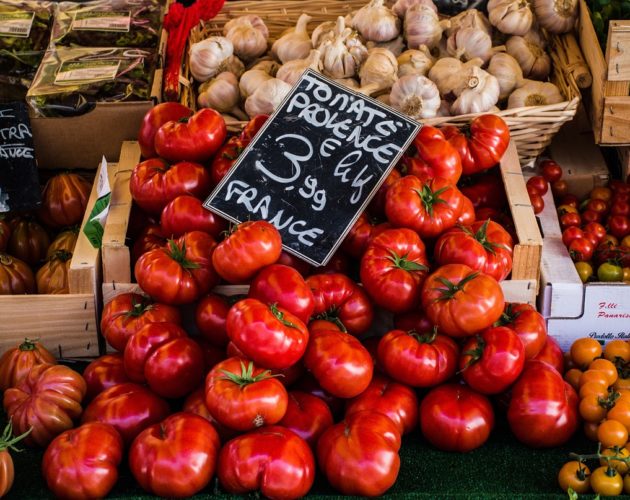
x: 532, y: 127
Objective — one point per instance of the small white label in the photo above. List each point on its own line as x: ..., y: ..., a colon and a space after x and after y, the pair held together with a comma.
x: 86, y: 72
x: 102, y: 21
x: 16, y: 24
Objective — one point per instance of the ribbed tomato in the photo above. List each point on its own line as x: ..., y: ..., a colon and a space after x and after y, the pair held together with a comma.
x: 103, y: 373
x: 17, y: 361
x: 52, y: 277
x: 66, y: 240
x: 186, y: 213
x: 64, y: 200
x: 29, y: 241
x: 528, y: 324
x: 307, y: 415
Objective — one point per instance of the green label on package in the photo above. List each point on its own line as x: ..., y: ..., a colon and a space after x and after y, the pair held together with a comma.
x: 95, y: 226
x: 16, y: 24
x: 102, y: 21
x: 73, y: 72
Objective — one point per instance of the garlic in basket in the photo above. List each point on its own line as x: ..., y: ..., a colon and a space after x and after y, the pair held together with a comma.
x: 249, y: 36
x: 422, y: 27
x: 512, y: 17
x: 529, y: 51
x: 376, y: 22
x: 470, y: 18
x: 416, y: 96
x: 507, y: 71
x: 533, y: 93
x: 448, y: 73
x: 395, y: 46
x: 267, y: 65
x: 292, y: 71
x: 470, y: 43
x: 267, y: 97
x: 415, y: 62
x: 380, y: 70
x: 208, y: 56
x: 295, y: 44
x: 556, y: 16
x: 343, y: 54
x: 401, y: 7
x: 324, y: 31
x: 478, y: 92
x: 221, y: 93
x: 251, y: 80
x: 233, y: 65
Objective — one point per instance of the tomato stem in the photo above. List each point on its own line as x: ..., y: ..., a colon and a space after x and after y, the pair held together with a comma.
x: 178, y: 254
x: 280, y: 316
x: 424, y: 338
x: 403, y: 262
x: 475, y: 354
x: 7, y: 443
x: 28, y: 345
x: 332, y: 316
x: 247, y: 375
x: 451, y: 288
x: 430, y: 198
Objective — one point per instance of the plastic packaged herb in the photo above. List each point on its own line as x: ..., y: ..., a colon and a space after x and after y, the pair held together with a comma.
x: 108, y: 23
x: 70, y: 81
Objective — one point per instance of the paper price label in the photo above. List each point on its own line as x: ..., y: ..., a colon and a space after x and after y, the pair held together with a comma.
x: 102, y: 21
x: 16, y: 24
x: 74, y: 72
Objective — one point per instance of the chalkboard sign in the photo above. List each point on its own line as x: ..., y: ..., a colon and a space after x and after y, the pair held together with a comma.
x: 19, y: 182
x: 314, y: 166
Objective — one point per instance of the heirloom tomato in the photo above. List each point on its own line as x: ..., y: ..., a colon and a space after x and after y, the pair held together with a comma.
x: 5, y: 234
x: 273, y: 461
x: 453, y: 417
x: 243, y: 396
x: 82, y: 463
x: 550, y: 170
x: 461, y: 301
x: 484, y: 246
x: 66, y: 240
x: 180, y: 273
x: 176, y: 457
x: 225, y: 158
x: 301, y: 266
x: 48, y: 399
x: 249, y: 247
x: 126, y: 313
x: 151, y: 237
x: 64, y: 200
x: 359, y: 456
x: 486, y: 191
x: 339, y: 363
x: 210, y: 317
x: 103, y: 373
x: 185, y: 214
x: 307, y: 415
x: 538, y: 204
x: 377, y: 205
x: 16, y: 277
x: 7, y: 470
x: 342, y: 301
x: 52, y: 277
x: 267, y: 334
x: 528, y: 324
x: 29, y: 241
x: 129, y: 408
x: 360, y: 235
x: 17, y: 361
x: 418, y: 359
x: 467, y: 215
x: 551, y: 353
x: 393, y: 269
x: 481, y: 144
x: 196, y: 403
x: 428, y: 207
x: 156, y: 117
x: 543, y: 411
x: 195, y: 138
x: 154, y: 183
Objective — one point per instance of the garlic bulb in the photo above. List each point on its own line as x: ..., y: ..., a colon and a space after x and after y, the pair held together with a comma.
x: 296, y: 44
x: 533, y: 93
x: 447, y: 73
x: 376, y: 23
x: 251, y: 80
x: 292, y: 71
x: 512, y: 17
x: 529, y: 51
x: 401, y: 7
x: 344, y: 53
x: 444, y: 109
x: 415, y: 62
x: 267, y: 97
x: 234, y: 65
x: 324, y: 31
x: 221, y: 94
x: 507, y: 71
x: 395, y: 46
x: 249, y: 36
x: 477, y: 92
x: 556, y: 16
x: 207, y: 56
x: 422, y: 27
x: 469, y: 43
x: 350, y: 83
x: 267, y: 65
x: 416, y: 96
x: 379, y: 69
x: 470, y: 18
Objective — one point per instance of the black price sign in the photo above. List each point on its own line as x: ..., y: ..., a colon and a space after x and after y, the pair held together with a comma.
x: 314, y: 166
x: 19, y: 182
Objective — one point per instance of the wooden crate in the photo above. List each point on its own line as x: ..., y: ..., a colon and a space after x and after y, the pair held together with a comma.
x: 610, y: 92
x: 66, y: 324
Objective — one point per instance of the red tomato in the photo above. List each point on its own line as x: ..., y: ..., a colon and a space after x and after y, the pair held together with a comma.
x: 252, y: 246
x: 175, y: 458
x: 82, y: 463
x: 581, y: 250
x: 543, y: 411
x: 486, y: 191
x: 560, y: 188
x: 416, y: 358
x: 244, y: 397
x: 181, y: 273
x: 596, y: 229
x: 359, y: 455
x: 126, y: 313
x: 307, y: 383
x: 225, y: 158
x: 528, y: 324
x: 539, y: 183
x: 129, y: 408
x: 468, y: 215
x: 460, y: 301
x: 597, y: 205
x: 619, y: 226
x: 151, y: 237
x: 484, y: 246
x: 532, y: 190
x: 163, y: 356
x: 185, y: 214
x: 196, y: 403
x: 342, y: 301
x: 552, y: 355
x: 570, y: 234
x: 590, y: 216
x: 270, y: 336
x: 538, y: 204
x: 377, y: 205
x: 436, y: 157
x: 620, y: 207
x: 396, y: 401
x: 480, y: 145
x: 29, y: 241
x: 493, y: 360
x: 307, y: 415
x: 284, y: 286
x: 453, y: 417
x: 393, y: 269
x: 273, y: 461
x: 415, y: 320
x: 428, y: 207
x: 103, y: 373
x: 571, y: 219
x: 210, y: 317
x: 211, y: 354
x: 16, y: 277
x: 48, y: 399
x: 156, y: 117
x: 17, y: 361
x: 361, y: 234
x: 191, y: 139
x: 550, y: 170
x: 592, y: 238
x: 64, y: 200
x: 341, y: 365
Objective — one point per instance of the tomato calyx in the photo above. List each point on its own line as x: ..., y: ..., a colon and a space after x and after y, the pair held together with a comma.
x: 7, y: 441
x: 475, y: 354
x: 482, y: 237
x: 402, y: 262
x: 28, y: 345
x: 452, y: 288
x: 246, y: 376
x: 62, y: 255
x: 508, y: 316
x: 5, y: 259
x: 609, y: 402
x: 430, y: 198
x: 332, y: 315
x: 424, y: 338
x: 178, y: 254
x: 279, y: 315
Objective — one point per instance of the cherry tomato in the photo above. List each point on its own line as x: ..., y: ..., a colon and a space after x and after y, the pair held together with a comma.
x: 609, y: 272
x: 589, y: 216
x: 572, y: 376
x: 570, y: 234
x: 606, y: 481
x: 597, y: 229
x: 550, y: 170
x: 617, y: 349
x: 601, y: 193
x: 567, y: 209
x: 575, y: 475
x: 607, y: 367
x: 585, y: 350
x: 619, y: 465
x: 612, y: 433
x: 539, y: 183
x: 559, y: 188
x: 570, y: 219
x: 584, y: 270
x: 581, y: 249
x: 538, y: 204
x: 590, y: 409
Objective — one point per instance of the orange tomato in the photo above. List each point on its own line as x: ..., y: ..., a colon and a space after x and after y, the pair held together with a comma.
x: 585, y: 350
x: 621, y: 412
x: 626, y: 274
x: 598, y: 376
x: 600, y: 193
x: 605, y: 366
x: 593, y: 387
x: 612, y: 433
x: 591, y: 410
x: 617, y: 349
x: 574, y: 475
x: 573, y: 377
x: 622, y: 384
x: 606, y: 481
x: 625, y: 242
x: 619, y: 465
x: 609, y: 239
x: 567, y: 209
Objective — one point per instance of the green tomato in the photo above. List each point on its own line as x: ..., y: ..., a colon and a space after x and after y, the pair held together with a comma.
x: 610, y: 272
x: 584, y: 270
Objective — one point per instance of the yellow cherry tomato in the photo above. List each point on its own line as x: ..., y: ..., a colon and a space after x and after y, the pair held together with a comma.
x: 584, y: 270
x: 606, y: 481
x: 567, y: 209
x: 600, y: 193
x: 621, y: 412
x: 622, y: 384
x: 574, y: 475
x: 598, y: 376
x: 626, y: 274
x: 591, y: 410
x: 585, y: 350
x: 612, y: 433
x: 573, y: 377
x: 605, y: 366
x: 593, y: 387
x: 619, y: 465
x: 617, y: 348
